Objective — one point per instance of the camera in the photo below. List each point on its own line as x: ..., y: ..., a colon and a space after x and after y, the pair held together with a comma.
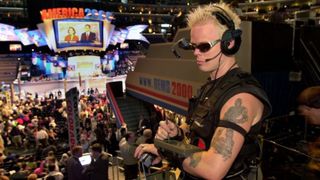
x: 146, y: 159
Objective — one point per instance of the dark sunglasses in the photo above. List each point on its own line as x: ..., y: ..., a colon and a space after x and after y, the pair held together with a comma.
x: 204, y: 46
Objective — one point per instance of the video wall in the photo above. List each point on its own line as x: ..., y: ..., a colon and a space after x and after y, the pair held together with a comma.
x: 71, y: 34
x: 59, y: 67
x: 66, y: 30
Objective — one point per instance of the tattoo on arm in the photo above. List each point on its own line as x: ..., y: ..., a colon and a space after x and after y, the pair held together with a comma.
x: 223, y: 145
x: 195, y: 159
x: 237, y: 113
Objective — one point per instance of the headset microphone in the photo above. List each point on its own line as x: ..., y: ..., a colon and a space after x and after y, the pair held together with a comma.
x: 209, y: 59
x: 176, y: 54
x: 173, y: 49
x: 182, y: 43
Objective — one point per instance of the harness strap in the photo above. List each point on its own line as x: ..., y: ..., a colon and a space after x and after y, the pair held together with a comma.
x: 234, y: 126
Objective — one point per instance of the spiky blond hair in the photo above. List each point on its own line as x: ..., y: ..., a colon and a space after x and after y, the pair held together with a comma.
x: 203, y: 14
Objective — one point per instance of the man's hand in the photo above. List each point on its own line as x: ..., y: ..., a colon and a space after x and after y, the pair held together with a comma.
x: 147, y: 148
x: 167, y: 129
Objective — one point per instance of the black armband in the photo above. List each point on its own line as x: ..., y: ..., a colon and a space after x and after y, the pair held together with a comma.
x: 179, y: 136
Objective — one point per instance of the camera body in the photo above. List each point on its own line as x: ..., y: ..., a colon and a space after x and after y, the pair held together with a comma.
x: 146, y: 159
x: 175, y: 148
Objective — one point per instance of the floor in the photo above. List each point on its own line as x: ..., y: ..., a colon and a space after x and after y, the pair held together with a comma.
x: 115, y: 173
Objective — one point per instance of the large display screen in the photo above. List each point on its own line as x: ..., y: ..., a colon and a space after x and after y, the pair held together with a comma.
x: 50, y: 66
x: 23, y: 36
x: 84, y: 65
x: 15, y: 47
x: 7, y: 33
x: 78, y: 32
x: 108, y: 63
x: 37, y: 38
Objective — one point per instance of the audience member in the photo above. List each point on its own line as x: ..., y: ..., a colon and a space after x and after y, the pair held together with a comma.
x: 51, y: 159
x: 3, y: 177
x: 2, y: 147
x: 16, y: 137
x: 100, y: 135
x: 32, y: 176
x: 120, y: 133
x: 112, y: 142
x: 74, y: 167
x: 98, y: 168
x: 64, y: 159
x: 145, y: 138
x: 53, y: 172
x: 127, y: 149
x: 20, y: 173
x: 42, y: 137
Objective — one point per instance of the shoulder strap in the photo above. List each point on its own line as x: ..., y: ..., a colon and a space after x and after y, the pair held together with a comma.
x: 230, y: 80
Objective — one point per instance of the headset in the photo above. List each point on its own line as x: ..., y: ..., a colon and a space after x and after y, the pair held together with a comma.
x: 230, y: 34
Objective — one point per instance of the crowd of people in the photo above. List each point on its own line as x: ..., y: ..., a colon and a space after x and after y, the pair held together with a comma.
x: 34, y: 134
x: 34, y: 138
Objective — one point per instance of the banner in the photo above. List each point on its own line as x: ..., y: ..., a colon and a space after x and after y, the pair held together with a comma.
x: 7, y: 33
x: 130, y: 33
x: 72, y: 98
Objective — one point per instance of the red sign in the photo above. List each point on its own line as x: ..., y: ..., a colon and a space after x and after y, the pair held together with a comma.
x: 73, y: 12
x: 59, y: 13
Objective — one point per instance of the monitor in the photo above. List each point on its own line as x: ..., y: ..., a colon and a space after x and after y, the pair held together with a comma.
x: 78, y: 33
x: 15, y: 47
x: 84, y: 65
x: 85, y: 159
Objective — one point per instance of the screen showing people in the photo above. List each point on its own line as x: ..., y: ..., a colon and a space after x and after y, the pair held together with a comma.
x: 78, y: 32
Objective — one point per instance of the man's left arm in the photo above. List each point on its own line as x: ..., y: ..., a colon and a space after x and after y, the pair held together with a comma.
x: 243, y: 110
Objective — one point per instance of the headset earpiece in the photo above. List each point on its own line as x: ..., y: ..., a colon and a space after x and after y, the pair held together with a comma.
x: 227, y: 43
x: 230, y: 34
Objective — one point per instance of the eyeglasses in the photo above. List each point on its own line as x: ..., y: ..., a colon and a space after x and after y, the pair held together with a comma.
x: 204, y: 46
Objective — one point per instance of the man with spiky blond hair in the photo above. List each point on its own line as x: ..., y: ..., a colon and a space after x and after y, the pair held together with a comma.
x: 225, y: 117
